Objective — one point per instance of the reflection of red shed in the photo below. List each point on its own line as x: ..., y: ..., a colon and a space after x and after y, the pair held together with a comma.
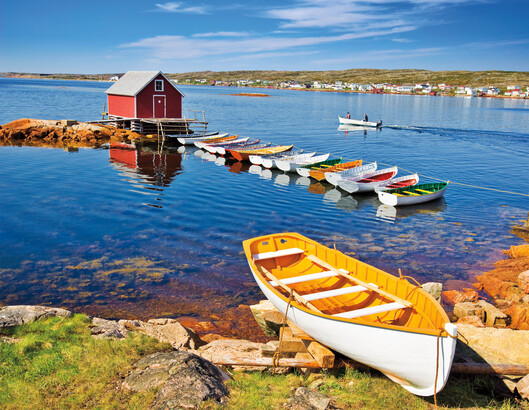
x: 144, y: 94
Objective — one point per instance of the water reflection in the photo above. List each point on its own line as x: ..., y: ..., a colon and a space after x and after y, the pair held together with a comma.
x: 145, y: 168
x: 390, y: 213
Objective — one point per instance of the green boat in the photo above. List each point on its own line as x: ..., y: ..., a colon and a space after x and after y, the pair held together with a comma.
x: 412, y: 195
x: 304, y: 170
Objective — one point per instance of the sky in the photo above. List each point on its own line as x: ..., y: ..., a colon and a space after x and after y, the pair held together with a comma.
x: 69, y: 36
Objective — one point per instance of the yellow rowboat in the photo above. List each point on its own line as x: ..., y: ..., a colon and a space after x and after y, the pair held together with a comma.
x: 244, y: 155
x: 319, y: 173
x: 356, y: 309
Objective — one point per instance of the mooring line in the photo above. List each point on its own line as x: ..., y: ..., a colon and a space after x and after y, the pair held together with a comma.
x: 460, y: 183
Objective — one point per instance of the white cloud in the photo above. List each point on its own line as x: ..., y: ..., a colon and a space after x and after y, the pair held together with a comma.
x: 354, y: 13
x: 176, y: 7
x: 223, y: 34
x: 179, y: 47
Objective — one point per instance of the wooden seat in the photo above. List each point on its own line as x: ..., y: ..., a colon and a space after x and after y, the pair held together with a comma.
x: 370, y: 310
x: 277, y: 254
x: 335, y: 292
x: 306, y: 278
x: 425, y: 191
x: 410, y: 193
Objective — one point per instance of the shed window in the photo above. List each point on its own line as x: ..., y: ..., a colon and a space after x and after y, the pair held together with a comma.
x: 158, y: 85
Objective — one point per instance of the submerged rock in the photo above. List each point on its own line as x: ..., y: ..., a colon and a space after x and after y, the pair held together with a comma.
x: 21, y: 314
x: 184, y: 380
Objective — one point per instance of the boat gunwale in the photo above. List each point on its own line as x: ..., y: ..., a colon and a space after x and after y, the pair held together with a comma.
x: 432, y: 332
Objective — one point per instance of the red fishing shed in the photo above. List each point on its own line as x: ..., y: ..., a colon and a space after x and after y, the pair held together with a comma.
x: 144, y: 94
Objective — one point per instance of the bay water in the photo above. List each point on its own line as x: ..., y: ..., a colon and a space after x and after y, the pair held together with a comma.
x: 149, y: 233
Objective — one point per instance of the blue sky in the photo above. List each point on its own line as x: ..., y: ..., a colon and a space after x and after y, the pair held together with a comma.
x: 180, y: 36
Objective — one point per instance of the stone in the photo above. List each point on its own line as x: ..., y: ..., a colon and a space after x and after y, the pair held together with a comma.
x: 267, y: 317
x: 523, y: 387
x: 519, y: 316
x: 452, y: 297
x: 523, y: 281
x: 183, y: 380
x: 471, y: 320
x: 517, y: 251
x: 464, y: 309
x: 171, y: 331
x: 232, y: 348
x: 494, y: 345
x: 21, y: 314
x: 434, y: 289
x: 102, y: 328
x: 305, y: 398
x: 493, y: 316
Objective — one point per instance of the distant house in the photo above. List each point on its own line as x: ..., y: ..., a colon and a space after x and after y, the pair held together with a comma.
x: 144, y: 94
x: 114, y: 78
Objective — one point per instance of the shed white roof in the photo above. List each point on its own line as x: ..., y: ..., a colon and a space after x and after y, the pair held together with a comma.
x: 133, y: 82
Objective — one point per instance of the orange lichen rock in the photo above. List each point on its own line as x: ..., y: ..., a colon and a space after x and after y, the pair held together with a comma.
x: 61, y: 133
x: 519, y: 251
x: 508, y: 284
x: 455, y: 296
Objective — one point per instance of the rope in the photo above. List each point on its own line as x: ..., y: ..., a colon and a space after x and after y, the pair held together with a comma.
x: 401, y: 276
x: 437, y: 365
x: 277, y: 354
x: 462, y: 184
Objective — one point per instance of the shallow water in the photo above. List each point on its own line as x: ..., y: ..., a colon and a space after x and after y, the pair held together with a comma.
x: 146, y: 234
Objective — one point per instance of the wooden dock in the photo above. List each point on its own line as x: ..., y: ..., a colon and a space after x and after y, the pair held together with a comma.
x: 193, y: 122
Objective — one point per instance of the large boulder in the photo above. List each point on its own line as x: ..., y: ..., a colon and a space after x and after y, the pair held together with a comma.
x: 21, y: 314
x: 495, y: 346
x: 183, y: 380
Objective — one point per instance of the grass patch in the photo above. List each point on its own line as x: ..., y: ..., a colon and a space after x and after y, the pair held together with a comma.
x: 352, y: 389
x: 57, y: 363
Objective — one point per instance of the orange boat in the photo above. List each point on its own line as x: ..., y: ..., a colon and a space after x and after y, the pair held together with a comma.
x: 319, y: 173
x: 244, y: 155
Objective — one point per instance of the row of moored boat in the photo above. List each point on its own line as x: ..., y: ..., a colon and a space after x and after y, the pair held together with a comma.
x: 350, y: 176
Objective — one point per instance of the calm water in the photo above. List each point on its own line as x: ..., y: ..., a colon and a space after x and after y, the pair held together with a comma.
x: 142, y: 234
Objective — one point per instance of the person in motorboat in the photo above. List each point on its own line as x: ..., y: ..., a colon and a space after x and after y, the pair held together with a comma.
x: 348, y: 115
x: 365, y: 117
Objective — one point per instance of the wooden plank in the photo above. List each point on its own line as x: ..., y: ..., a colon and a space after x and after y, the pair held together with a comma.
x: 266, y: 362
x: 486, y: 368
x: 321, y: 354
x: 297, y: 332
x: 292, y: 346
x: 374, y: 288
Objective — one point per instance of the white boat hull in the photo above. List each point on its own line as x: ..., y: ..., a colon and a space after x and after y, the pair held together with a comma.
x: 335, y: 177
x: 349, y: 121
x: 270, y: 162
x: 393, y: 200
x: 407, y: 358
x: 192, y: 140
x: 291, y: 165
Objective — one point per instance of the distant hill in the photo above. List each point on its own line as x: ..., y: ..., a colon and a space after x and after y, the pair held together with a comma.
x: 370, y: 76
x: 499, y: 79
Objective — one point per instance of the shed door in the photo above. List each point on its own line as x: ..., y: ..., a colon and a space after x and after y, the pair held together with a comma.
x: 159, y: 106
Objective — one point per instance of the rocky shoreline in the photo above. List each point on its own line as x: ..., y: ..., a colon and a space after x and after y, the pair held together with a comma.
x: 63, y: 133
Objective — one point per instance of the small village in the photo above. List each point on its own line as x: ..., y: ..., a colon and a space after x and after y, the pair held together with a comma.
x: 513, y: 91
